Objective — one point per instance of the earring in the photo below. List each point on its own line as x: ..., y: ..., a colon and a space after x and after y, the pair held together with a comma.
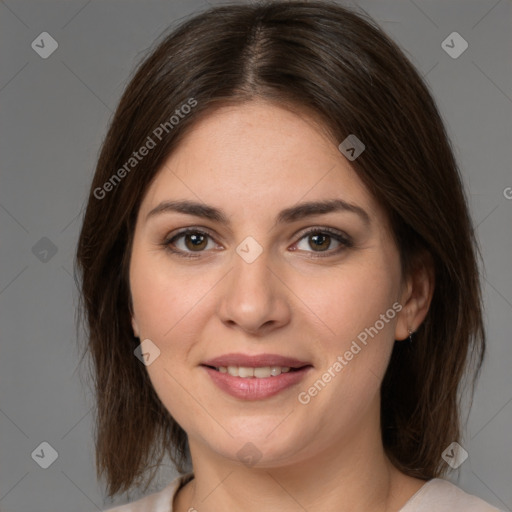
x: 411, y: 332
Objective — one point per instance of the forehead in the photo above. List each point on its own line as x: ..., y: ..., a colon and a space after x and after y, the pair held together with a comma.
x: 257, y: 156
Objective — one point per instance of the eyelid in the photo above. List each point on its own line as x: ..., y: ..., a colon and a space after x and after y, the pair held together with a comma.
x: 188, y: 230
x: 324, y: 229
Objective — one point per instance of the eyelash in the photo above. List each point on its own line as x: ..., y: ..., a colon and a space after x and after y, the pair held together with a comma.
x: 343, y: 239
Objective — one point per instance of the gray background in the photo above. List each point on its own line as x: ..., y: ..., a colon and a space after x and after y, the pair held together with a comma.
x: 54, y: 115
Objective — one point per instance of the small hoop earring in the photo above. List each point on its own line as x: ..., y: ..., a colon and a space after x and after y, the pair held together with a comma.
x: 411, y: 332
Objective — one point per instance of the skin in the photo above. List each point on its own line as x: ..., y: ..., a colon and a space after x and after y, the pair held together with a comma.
x: 252, y: 161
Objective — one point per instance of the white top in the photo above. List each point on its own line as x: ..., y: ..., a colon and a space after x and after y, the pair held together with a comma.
x: 436, y: 495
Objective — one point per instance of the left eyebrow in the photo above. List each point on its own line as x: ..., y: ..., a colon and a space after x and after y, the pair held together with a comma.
x: 308, y: 209
x: 287, y: 215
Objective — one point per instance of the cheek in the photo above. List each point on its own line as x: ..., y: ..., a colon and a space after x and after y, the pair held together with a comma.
x: 360, y: 312
x: 358, y: 308
x: 162, y: 299
x: 165, y: 315
x: 353, y: 299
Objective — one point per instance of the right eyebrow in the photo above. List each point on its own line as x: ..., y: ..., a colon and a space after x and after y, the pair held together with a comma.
x: 190, y: 208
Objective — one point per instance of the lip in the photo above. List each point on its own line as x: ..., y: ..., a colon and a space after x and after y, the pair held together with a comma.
x: 255, y: 361
x: 252, y: 388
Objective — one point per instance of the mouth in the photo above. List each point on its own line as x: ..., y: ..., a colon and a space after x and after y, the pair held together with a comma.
x: 255, y: 377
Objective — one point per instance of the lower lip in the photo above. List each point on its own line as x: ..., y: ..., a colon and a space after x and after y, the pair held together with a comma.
x: 252, y: 388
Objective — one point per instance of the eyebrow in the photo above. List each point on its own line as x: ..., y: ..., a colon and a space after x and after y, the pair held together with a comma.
x: 287, y: 215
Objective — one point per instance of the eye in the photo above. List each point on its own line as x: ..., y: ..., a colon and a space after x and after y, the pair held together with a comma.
x: 192, y: 240
x: 321, y: 240
x: 188, y: 241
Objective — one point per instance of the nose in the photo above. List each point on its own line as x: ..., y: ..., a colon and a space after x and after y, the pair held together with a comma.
x: 254, y: 297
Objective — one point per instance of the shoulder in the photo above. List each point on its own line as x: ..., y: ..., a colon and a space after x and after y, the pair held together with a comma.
x: 157, y: 502
x: 443, y: 496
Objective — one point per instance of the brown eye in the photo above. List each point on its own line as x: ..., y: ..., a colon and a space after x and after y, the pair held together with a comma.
x: 321, y: 241
x: 195, y: 241
x: 187, y: 242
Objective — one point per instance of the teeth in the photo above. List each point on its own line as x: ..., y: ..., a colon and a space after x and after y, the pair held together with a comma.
x: 243, y: 371
x: 263, y: 372
x: 259, y: 373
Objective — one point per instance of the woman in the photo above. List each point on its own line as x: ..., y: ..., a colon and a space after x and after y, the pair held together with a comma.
x: 278, y: 272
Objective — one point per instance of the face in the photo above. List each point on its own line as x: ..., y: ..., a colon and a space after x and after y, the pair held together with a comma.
x: 251, y: 277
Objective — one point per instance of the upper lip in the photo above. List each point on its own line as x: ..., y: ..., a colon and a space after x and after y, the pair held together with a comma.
x: 255, y: 361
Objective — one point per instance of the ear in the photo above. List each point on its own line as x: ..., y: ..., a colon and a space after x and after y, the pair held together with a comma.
x: 135, y: 327
x: 416, y: 296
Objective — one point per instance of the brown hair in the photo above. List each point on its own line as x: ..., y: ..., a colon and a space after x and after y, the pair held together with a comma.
x: 338, y: 65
